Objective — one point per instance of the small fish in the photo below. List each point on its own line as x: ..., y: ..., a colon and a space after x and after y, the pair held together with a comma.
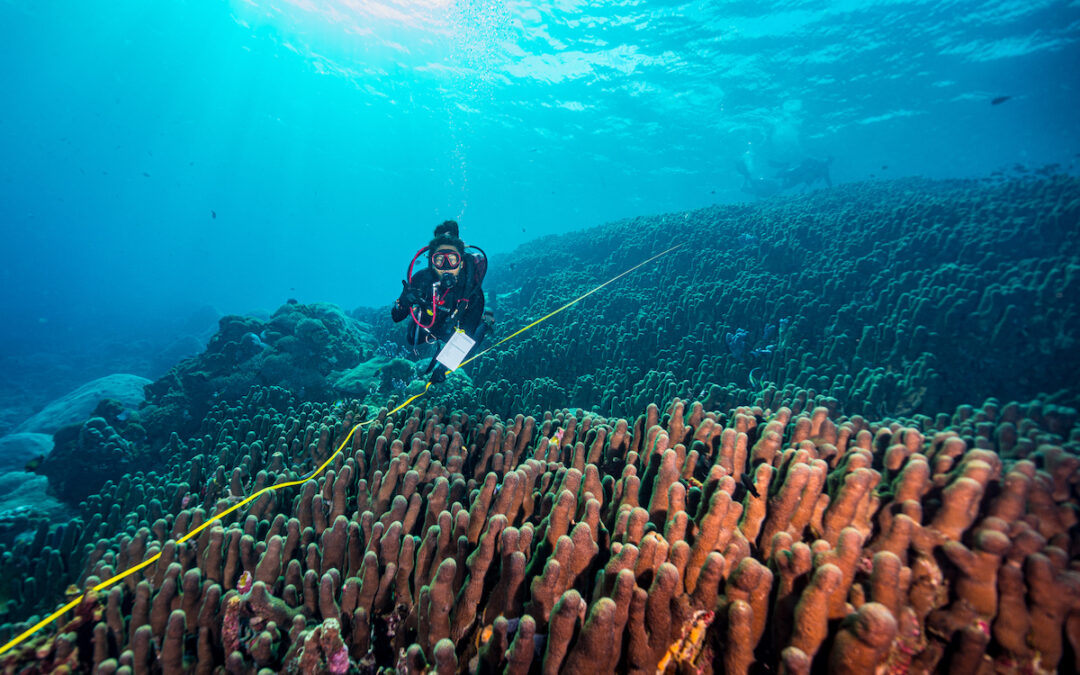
x: 71, y: 591
x: 999, y: 100
x: 213, y: 214
x: 33, y: 464
x: 754, y: 380
x: 146, y: 175
x: 884, y: 167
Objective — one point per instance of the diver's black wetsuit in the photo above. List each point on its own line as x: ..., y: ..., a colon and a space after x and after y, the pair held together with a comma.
x: 462, y: 305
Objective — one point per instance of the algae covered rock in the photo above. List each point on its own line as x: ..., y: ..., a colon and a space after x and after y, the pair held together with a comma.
x: 88, y: 454
x: 77, y: 406
x: 377, y: 374
x: 25, y: 494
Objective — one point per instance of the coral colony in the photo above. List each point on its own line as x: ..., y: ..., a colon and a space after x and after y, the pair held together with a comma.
x: 606, y: 494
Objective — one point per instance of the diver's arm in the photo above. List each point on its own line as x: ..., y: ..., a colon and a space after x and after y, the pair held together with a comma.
x: 486, y: 327
x: 486, y: 321
x: 410, y: 296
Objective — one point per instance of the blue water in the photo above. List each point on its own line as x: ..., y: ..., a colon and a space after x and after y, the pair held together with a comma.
x: 162, y: 156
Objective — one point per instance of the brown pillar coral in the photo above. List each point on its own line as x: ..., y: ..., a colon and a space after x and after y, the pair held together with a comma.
x: 791, y: 561
x: 751, y: 582
x: 889, y: 581
x: 794, y: 662
x: 862, y: 641
x: 845, y: 556
x: 520, y: 656
x: 172, y: 647
x: 783, y: 504
x: 597, y: 647
x: 442, y: 498
x: 812, y: 611
x: 667, y: 474
x: 1051, y: 595
x: 469, y: 600
x: 1013, y: 621
x: 711, y: 535
x: 561, y: 630
x: 977, y: 582
x: 755, y: 508
x: 739, y: 649
x: 959, y: 508
x: 844, y: 508
x: 649, y: 623
x: 435, y: 605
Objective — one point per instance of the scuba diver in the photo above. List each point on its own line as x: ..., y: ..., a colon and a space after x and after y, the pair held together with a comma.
x: 445, y: 299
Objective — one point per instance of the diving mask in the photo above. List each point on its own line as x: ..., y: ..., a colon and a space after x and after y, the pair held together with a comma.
x: 446, y: 260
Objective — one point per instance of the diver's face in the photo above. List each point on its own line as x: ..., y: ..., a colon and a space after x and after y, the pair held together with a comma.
x: 446, y: 260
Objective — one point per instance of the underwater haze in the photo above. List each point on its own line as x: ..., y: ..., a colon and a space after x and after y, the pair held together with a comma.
x: 166, y: 157
x: 329, y: 137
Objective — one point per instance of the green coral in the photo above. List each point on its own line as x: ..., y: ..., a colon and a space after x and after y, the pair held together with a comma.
x: 375, y: 374
x: 298, y: 348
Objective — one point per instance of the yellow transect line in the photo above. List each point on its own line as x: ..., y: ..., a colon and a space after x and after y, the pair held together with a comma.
x: 151, y: 560
x: 572, y: 302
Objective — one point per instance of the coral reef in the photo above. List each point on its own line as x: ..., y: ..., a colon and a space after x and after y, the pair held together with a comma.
x: 451, y: 542
x: 84, y: 456
x: 905, y: 297
x: 765, y: 473
x: 302, y: 348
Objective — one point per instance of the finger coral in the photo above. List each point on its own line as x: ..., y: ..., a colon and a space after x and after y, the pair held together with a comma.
x: 587, y: 576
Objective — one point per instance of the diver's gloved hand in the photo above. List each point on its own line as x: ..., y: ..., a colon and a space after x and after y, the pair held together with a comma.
x: 409, y: 295
x: 438, y: 376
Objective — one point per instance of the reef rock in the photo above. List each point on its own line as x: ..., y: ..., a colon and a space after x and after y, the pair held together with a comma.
x: 376, y: 374
x: 18, y: 449
x: 88, y: 454
x: 79, y: 404
x: 24, y: 494
x: 297, y: 348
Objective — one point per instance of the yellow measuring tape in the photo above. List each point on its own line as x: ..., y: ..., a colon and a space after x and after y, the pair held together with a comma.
x: 151, y: 560
x: 572, y: 302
